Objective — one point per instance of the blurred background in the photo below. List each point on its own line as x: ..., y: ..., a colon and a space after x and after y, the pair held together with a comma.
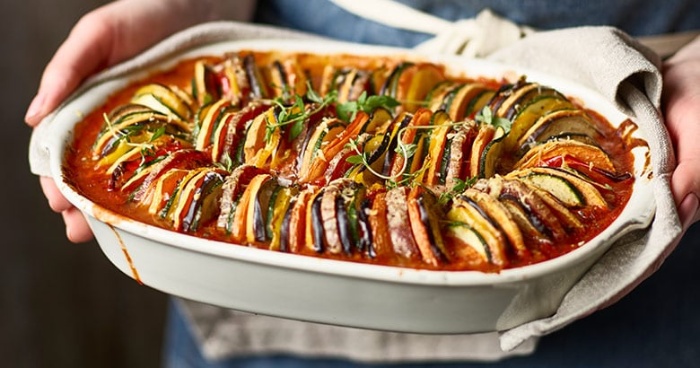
x: 62, y: 304
x: 65, y: 305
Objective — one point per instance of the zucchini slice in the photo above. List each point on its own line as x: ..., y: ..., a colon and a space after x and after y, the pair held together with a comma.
x: 379, y: 121
x: 558, y: 123
x: 488, y: 162
x: 356, y: 237
x: 278, y: 207
x: 466, y: 244
x: 466, y: 214
x: 529, y: 113
x: 165, y: 100
x: 561, y: 188
x: 439, y: 96
x: 578, y: 192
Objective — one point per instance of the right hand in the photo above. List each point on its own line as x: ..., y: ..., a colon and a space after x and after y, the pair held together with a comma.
x: 102, y: 38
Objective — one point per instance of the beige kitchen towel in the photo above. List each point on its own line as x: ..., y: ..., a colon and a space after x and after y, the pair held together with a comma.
x: 601, y: 58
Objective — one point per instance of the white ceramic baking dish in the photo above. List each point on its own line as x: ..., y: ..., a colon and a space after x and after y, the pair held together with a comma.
x: 336, y: 292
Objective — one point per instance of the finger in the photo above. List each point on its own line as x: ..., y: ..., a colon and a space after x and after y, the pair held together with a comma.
x: 57, y: 201
x: 682, y: 105
x: 85, y: 51
x: 77, y: 228
x: 107, y: 36
x: 685, y: 185
x: 682, y: 113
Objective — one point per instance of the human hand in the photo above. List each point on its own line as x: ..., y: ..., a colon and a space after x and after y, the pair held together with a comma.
x: 102, y: 38
x: 681, y: 104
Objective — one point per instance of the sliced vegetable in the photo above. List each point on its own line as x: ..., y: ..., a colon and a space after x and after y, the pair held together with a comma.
x: 501, y: 219
x: 470, y: 226
x: 214, y: 116
x: 165, y: 100
x: 558, y: 123
x: 529, y: 113
x: 232, y: 189
x: 436, y: 150
x: 490, y: 156
x: 485, y: 135
x: 541, y: 154
x: 402, y: 240
x: 425, y: 216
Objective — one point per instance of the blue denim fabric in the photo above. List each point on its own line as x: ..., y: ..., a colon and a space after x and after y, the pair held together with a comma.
x: 657, y: 325
x: 637, y: 17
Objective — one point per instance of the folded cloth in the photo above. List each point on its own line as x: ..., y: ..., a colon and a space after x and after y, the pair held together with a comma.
x: 612, y: 63
x: 601, y: 58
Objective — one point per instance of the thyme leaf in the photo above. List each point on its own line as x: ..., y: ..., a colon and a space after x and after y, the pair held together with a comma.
x: 458, y: 188
x: 348, y: 111
x: 486, y: 116
x: 296, y: 113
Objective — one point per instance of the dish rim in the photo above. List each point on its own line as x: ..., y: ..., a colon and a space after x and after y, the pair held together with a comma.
x: 638, y: 211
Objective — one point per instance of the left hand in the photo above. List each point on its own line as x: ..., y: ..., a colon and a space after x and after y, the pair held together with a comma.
x: 681, y: 107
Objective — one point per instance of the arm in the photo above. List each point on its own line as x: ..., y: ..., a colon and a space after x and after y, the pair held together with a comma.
x: 681, y: 101
x: 107, y: 36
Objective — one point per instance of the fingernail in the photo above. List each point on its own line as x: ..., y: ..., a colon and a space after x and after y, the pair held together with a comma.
x: 688, y: 209
x: 34, y: 107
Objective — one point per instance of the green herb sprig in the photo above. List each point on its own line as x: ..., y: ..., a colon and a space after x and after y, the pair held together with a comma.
x: 458, y: 188
x: 486, y: 116
x: 348, y: 111
x: 296, y: 113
